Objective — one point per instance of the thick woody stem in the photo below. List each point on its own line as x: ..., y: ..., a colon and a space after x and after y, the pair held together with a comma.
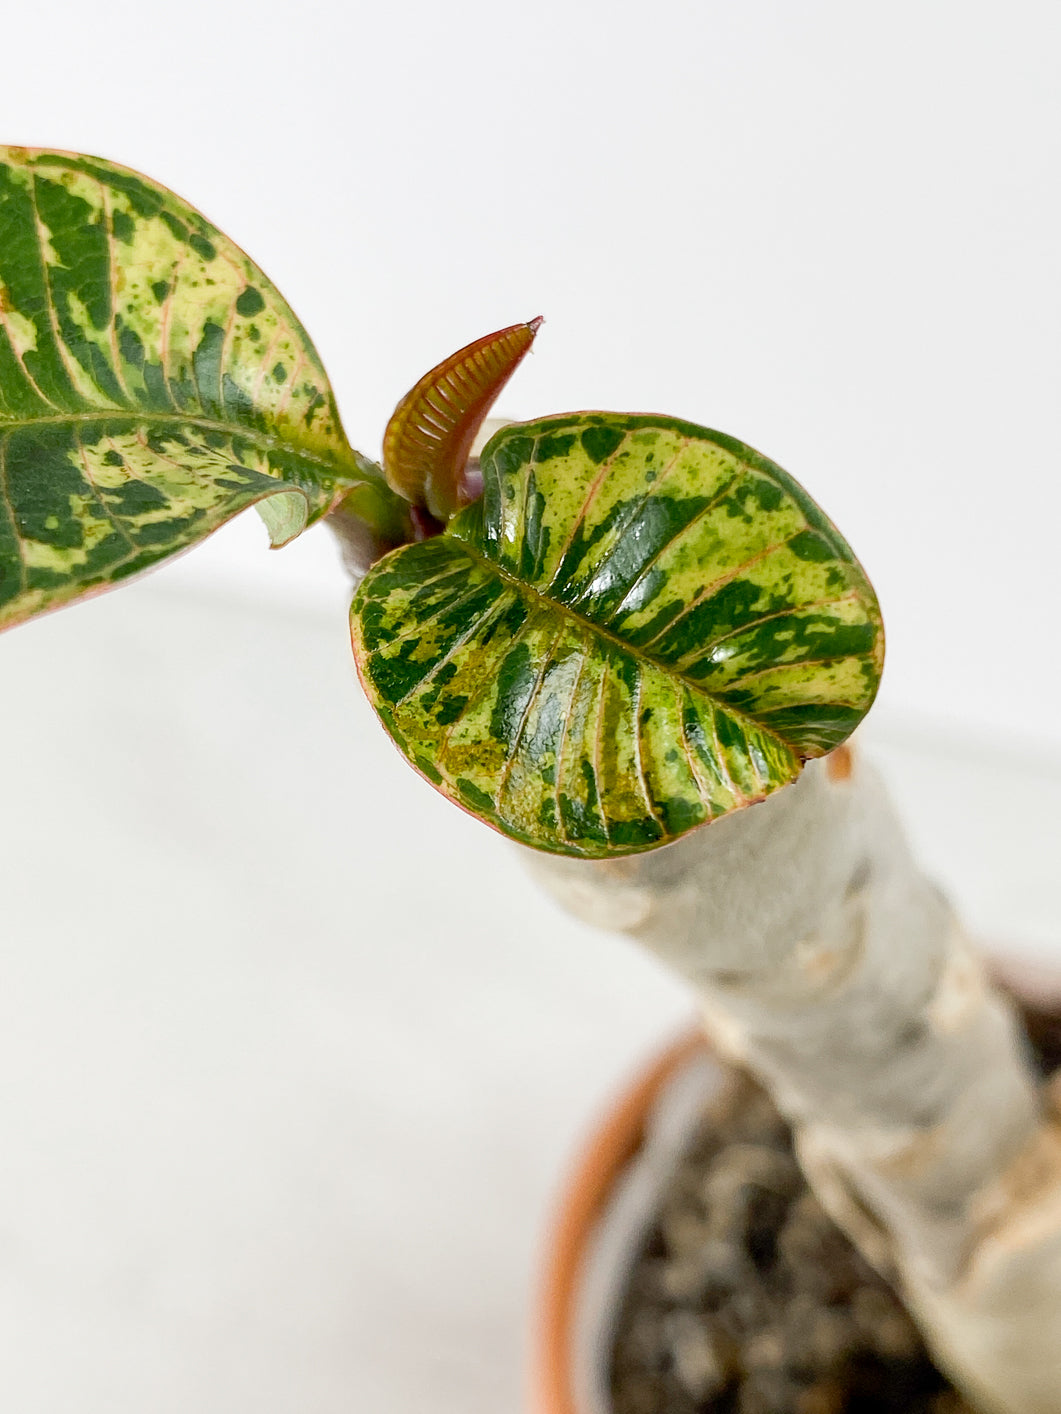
x: 835, y: 971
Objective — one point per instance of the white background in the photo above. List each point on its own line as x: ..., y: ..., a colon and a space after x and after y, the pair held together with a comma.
x: 293, y: 1060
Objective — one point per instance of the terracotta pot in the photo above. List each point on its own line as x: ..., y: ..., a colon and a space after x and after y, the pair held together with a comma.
x: 607, y: 1207
x: 612, y: 1199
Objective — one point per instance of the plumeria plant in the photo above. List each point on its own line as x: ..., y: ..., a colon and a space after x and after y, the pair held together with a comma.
x: 605, y: 634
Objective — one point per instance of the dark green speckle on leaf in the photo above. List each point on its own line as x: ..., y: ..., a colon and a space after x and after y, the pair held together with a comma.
x: 250, y: 302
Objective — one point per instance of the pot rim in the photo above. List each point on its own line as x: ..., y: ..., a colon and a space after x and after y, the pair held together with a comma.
x: 584, y: 1197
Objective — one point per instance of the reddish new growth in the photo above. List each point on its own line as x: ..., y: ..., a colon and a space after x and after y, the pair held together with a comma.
x: 430, y: 435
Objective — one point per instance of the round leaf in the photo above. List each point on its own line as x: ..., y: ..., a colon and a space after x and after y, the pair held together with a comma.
x: 642, y: 626
x: 152, y: 384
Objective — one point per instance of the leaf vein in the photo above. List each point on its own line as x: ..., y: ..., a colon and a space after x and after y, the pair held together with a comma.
x: 16, y: 532
x: 710, y: 590
x: 561, y: 748
x: 455, y: 647
x: 532, y: 697
x: 587, y: 501
x: 119, y: 372
x: 99, y: 499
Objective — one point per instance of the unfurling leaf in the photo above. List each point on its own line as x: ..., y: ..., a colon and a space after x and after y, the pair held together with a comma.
x: 641, y: 626
x: 431, y: 432
x: 152, y: 384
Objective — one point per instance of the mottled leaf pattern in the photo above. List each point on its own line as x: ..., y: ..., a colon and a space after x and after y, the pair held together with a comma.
x: 432, y: 429
x: 152, y: 384
x: 641, y: 626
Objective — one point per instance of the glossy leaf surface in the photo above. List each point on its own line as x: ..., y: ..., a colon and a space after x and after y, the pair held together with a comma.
x: 642, y: 626
x: 152, y: 384
x: 431, y: 432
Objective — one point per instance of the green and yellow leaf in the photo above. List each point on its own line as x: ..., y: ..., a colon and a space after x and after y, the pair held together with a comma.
x: 642, y: 626
x: 153, y: 383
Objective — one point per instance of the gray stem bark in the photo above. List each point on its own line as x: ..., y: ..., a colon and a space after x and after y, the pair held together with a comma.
x: 828, y: 965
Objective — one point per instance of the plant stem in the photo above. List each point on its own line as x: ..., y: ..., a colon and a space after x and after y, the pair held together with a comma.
x: 829, y: 966
x: 369, y: 520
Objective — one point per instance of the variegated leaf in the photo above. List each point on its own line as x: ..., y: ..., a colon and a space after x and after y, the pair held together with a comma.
x: 642, y: 626
x: 152, y: 384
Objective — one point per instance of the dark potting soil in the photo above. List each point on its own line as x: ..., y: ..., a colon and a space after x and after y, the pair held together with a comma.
x: 748, y: 1299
